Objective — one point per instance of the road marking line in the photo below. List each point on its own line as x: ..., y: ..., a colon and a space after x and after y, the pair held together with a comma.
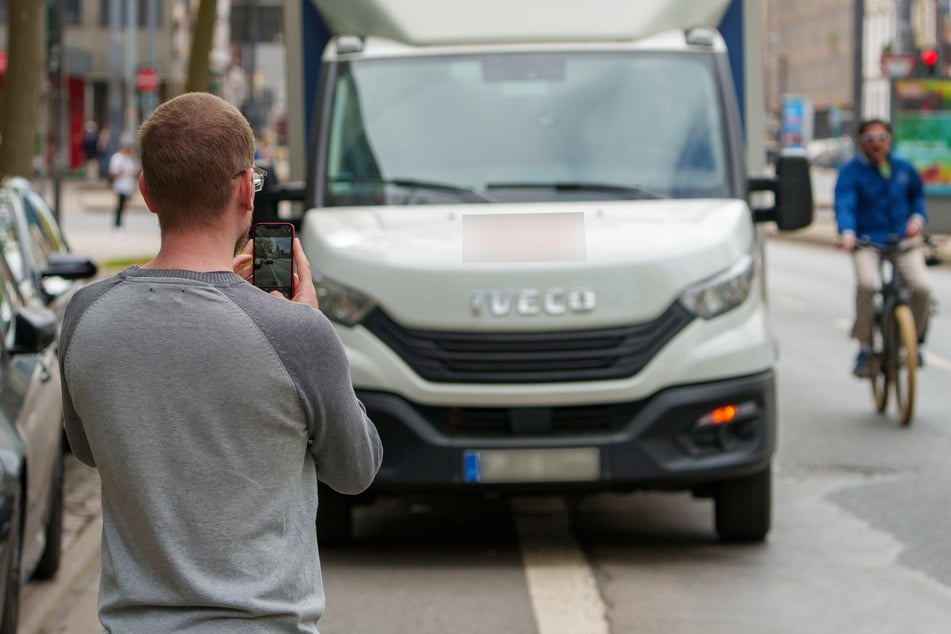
x: 565, y: 596
x: 792, y: 304
x: 935, y: 361
x: 843, y: 324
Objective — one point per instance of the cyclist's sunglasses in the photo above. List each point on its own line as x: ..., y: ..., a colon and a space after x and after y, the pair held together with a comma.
x: 868, y: 138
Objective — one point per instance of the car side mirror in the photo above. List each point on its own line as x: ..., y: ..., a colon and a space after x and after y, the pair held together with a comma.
x: 34, y: 330
x: 69, y: 266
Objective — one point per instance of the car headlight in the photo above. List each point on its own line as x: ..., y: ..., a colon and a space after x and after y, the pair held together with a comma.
x: 341, y: 303
x: 723, y: 292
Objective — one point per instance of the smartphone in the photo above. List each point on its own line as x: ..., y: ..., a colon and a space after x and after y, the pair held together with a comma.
x: 274, y: 257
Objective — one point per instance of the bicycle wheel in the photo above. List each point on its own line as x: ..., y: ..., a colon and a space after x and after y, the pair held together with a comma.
x: 880, y: 379
x: 904, y: 362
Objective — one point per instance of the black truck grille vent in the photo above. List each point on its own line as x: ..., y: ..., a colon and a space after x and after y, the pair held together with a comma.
x: 494, y: 422
x: 529, y: 357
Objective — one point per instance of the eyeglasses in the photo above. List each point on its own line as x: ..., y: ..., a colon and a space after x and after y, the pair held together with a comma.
x: 257, y: 178
x: 883, y: 136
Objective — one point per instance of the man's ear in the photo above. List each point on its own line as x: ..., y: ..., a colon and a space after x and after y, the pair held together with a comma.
x: 145, y: 194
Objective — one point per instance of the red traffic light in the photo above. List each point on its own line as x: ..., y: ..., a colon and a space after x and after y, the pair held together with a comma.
x: 929, y: 56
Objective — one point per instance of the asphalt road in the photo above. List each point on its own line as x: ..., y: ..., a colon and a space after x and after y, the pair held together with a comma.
x: 858, y: 541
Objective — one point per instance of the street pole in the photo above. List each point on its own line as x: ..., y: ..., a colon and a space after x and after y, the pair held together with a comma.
x: 858, y: 63
x: 115, y: 77
x: 57, y: 60
x: 940, y: 11
x: 904, y: 41
x: 253, y: 37
x: 150, y: 97
x: 131, y: 120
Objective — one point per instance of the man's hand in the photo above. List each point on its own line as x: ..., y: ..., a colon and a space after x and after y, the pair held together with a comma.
x: 241, y: 264
x: 304, y: 291
x: 914, y: 227
x: 847, y: 241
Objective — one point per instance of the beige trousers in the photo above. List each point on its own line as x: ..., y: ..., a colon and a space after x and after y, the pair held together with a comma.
x: 915, y: 273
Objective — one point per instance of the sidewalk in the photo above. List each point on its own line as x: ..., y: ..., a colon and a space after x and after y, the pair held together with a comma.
x: 86, y: 216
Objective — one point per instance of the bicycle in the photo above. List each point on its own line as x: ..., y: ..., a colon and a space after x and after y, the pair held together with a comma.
x: 894, y: 339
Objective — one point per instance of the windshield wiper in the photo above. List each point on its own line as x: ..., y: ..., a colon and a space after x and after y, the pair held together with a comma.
x: 627, y: 191
x: 466, y: 193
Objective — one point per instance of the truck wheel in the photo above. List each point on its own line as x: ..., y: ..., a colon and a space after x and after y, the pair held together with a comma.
x: 743, y: 507
x: 334, y: 518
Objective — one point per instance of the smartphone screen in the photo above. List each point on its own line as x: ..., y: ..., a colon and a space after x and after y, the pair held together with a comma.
x: 273, y: 257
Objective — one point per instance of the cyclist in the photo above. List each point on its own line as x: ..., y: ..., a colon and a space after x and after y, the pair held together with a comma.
x: 879, y: 195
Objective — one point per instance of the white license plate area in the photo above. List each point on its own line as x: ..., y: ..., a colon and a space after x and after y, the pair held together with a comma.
x: 515, y: 466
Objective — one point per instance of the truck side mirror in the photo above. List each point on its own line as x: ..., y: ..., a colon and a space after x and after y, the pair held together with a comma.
x: 267, y: 200
x: 792, y: 193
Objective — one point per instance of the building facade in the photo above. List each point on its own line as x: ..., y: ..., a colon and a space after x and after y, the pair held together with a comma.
x: 811, y: 53
x: 106, y: 43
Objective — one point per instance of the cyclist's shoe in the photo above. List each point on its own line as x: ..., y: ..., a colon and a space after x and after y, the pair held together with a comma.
x: 921, y: 358
x: 864, y: 364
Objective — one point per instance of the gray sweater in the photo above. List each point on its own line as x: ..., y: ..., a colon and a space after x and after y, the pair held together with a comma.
x: 195, y: 395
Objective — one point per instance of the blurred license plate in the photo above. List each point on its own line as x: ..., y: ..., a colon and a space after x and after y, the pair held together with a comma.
x: 576, y: 464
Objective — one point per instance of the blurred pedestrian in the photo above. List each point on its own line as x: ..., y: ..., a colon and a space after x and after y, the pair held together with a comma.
x: 104, y: 149
x: 90, y: 146
x: 210, y: 407
x: 123, y: 172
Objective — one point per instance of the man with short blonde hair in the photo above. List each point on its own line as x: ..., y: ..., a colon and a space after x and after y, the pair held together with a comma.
x: 209, y: 406
x: 185, y: 185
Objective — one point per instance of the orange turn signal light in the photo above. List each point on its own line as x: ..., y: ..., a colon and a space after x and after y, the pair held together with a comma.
x: 726, y: 414
x: 723, y: 415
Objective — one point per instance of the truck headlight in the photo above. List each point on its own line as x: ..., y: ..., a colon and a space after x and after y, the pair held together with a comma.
x: 723, y: 292
x: 341, y: 303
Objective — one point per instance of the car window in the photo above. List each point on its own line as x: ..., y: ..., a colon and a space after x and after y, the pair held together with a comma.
x: 9, y: 241
x: 46, y: 238
x: 45, y: 235
x: 7, y: 292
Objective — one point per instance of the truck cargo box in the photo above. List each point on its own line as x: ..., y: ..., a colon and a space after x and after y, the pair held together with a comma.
x: 424, y: 22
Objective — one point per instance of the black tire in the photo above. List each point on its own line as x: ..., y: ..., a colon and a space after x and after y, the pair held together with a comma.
x: 905, y: 362
x: 50, y: 560
x: 334, y: 518
x: 11, y: 567
x: 743, y: 507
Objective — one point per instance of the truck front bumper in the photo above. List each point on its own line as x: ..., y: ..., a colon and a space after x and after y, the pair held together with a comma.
x: 667, y: 441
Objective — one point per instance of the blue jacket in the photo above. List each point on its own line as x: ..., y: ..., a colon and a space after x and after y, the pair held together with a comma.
x: 873, y: 207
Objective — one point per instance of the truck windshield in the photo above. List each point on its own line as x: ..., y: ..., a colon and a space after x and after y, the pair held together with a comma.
x: 525, y: 127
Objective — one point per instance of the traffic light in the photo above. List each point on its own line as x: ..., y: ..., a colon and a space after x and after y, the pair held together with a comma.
x: 929, y: 58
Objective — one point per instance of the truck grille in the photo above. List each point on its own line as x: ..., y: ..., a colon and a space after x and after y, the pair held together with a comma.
x: 496, y: 422
x: 529, y: 357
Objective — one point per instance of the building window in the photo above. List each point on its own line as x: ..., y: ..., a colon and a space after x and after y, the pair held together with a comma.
x: 72, y: 11
x: 267, y: 26
x: 142, y: 12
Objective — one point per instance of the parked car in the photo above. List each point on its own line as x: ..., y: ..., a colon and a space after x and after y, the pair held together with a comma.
x: 31, y: 455
x: 38, y: 274
x: 32, y: 242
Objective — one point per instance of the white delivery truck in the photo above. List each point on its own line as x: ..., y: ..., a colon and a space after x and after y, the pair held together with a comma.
x: 530, y: 223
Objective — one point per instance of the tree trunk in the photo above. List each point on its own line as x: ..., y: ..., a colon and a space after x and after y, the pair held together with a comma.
x: 202, y: 35
x: 19, y: 100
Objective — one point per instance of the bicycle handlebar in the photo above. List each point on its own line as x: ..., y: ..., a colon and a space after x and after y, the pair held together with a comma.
x: 890, y: 248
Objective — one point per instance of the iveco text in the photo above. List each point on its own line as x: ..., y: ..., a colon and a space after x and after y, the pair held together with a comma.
x: 532, y: 301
